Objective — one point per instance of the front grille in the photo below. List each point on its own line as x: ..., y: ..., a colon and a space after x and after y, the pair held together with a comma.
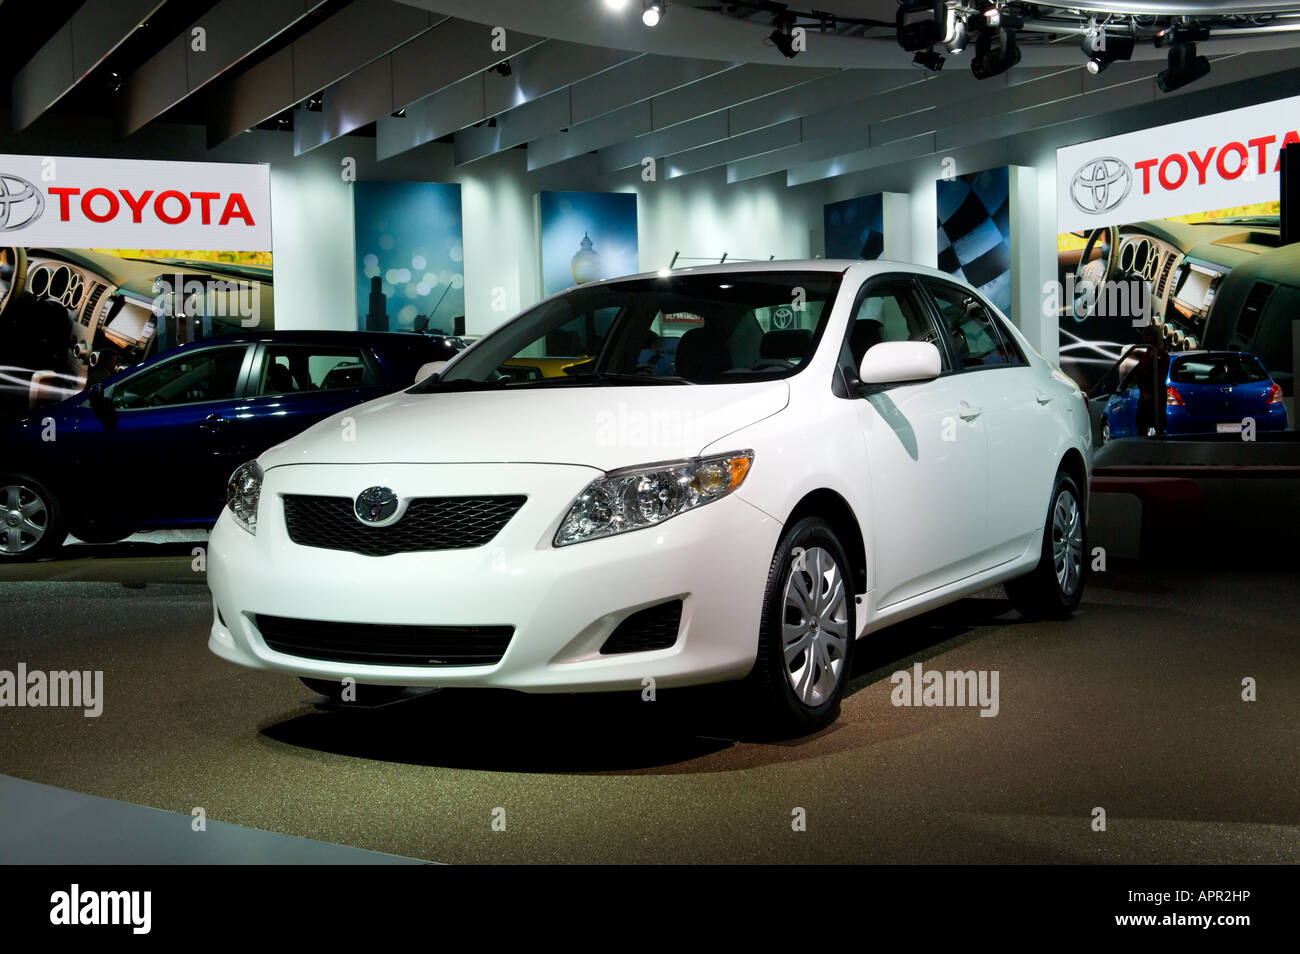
x: 384, y: 644
x: 652, y: 628
x: 430, y: 523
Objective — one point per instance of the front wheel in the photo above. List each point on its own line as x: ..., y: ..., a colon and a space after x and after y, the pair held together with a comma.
x: 31, y: 521
x: 1052, y: 590
x: 805, y: 646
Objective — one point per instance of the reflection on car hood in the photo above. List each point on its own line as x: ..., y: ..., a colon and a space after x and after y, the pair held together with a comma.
x: 606, y: 428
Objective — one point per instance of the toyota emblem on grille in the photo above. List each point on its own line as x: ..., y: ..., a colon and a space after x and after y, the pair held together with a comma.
x: 375, y: 505
x: 1100, y: 185
x: 21, y: 203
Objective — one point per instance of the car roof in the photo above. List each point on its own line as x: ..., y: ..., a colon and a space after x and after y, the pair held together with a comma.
x: 315, y: 337
x: 1204, y: 353
x: 839, y: 265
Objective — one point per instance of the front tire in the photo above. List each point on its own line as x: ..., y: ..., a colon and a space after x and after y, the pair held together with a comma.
x: 31, y: 520
x: 805, y: 647
x: 1053, y: 589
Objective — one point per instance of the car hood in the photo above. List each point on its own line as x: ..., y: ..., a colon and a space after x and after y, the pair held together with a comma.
x: 601, y: 427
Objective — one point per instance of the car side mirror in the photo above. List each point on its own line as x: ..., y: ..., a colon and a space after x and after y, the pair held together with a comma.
x: 102, y: 405
x: 429, y: 368
x: 899, y: 362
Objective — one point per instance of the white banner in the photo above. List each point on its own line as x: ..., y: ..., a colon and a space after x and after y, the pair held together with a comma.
x: 66, y: 202
x: 1215, y: 162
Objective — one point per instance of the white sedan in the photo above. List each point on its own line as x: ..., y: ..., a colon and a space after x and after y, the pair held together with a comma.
x: 724, y: 473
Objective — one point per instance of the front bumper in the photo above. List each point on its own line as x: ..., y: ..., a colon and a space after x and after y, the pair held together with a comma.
x: 562, y: 602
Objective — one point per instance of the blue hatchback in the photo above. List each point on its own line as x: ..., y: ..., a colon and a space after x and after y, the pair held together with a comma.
x: 153, y: 446
x: 1206, y: 392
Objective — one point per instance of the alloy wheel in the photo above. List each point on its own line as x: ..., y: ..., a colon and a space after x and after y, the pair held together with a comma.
x: 1067, y: 542
x: 814, y: 625
x: 24, y: 518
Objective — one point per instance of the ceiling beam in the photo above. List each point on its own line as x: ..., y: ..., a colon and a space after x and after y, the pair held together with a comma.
x: 232, y: 30
x: 616, y: 105
x: 450, y: 52
x: 97, y: 29
x: 357, y: 35
x: 956, y: 128
x: 535, y: 74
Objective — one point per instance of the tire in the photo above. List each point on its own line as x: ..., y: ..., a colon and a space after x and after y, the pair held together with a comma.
x: 366, y: 696
x: 31, y: 520
x: 1052, y: 590
x: 802, y: 693
x: 1105, y: 431
x: 92, y: 533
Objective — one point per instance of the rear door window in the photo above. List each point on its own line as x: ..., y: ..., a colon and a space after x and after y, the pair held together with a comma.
x: 303, y: 369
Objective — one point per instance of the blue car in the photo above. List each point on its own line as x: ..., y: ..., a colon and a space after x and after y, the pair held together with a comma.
x: 1206, y: 392
x: 152, y: 447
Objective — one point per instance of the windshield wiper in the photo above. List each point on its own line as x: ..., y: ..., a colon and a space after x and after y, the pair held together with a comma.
x: 631, y: 377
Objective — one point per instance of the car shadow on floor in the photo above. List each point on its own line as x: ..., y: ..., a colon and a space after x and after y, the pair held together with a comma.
x: 618, y: 733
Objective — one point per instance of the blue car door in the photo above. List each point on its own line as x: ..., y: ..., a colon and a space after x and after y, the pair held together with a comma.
x: 294, y: 385
x: 160, y: 456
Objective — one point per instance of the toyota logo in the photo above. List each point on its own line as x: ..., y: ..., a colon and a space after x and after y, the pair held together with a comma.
x: 1100, y: 185
x: 21, y: 203
x: 376, y: 505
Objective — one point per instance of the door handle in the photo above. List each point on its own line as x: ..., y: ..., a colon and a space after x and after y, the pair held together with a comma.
x: 212, y: 423
x: 1042, y: 397
x: 967, y: 412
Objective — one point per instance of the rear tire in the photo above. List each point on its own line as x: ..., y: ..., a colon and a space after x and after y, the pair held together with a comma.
x: 31, y: 520
x: 1053, y: 589
x: 805, y: 646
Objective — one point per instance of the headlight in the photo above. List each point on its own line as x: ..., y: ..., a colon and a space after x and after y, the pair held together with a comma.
x: 639, y: 497
x: 243, y: 491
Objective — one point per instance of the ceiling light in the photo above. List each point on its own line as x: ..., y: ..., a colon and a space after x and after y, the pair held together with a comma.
x: 652, y: 12
x: 955, y: 39
x: 918, y: 24
x: 928, y: 59
x: 616, y: 5
x: 1103, y: 49
x: 991, y: 58
x: 783, y: 36
x: 1184, y: 67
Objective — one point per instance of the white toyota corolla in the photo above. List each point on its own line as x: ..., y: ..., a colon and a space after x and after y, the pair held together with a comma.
x: 724, y: 473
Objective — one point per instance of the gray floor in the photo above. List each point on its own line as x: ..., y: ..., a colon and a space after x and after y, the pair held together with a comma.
x: 1133, y: 706
x: 44, y: 825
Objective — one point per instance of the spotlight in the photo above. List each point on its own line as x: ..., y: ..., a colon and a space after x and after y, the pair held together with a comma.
x: 652, y: 11
x: 1184, y: 67
x: 955, y: 39
x: 992, y: 59
x: 918, y: 24
x: 928, y: 59
x: 1103, y: 49
x: 783, y: 36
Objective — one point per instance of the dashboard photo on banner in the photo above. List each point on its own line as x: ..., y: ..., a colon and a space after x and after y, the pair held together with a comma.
x: 1169, y: 241
x: 855, y: 228
x: 105, y: 263
x: 974, y: 231
x: 410, y: 257
x: 586, y: 237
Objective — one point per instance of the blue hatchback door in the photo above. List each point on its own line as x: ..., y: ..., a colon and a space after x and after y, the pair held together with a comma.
x: 293, y: 385
x: 162, y: 454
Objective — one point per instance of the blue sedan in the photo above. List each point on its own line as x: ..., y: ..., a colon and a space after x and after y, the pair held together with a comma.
x: 1206, y: 392
x: 153, y: 446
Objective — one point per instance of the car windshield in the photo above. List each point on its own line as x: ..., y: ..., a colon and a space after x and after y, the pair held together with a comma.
x: 1218, y: 369
x: 678, y: 329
